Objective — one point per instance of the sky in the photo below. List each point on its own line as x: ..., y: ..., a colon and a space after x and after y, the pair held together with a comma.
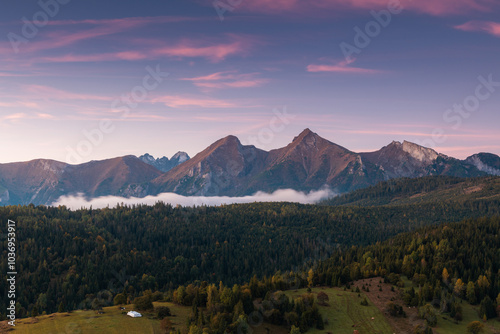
x: 90, y: 80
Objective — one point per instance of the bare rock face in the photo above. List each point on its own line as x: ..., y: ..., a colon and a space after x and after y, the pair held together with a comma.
x: 420, y: 153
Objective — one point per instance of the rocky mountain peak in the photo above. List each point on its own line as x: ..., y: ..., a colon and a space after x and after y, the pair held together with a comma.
x: 165, y: 164
x: 180, y: 157
x: 420, y: 153
x: 305, y: 134
x: 229, y: 140
x: 485, y: 162
x: 395, y: 143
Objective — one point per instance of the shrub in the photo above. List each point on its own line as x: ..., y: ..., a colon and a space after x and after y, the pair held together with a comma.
x: 395, y: 310
x: 143, y: 303
x: 120, y: 299
x: 162, y: 312
x: 475, y: 327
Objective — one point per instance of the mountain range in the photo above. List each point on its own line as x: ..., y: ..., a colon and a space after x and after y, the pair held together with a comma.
x: 164, y: 164
x: 229, y: 168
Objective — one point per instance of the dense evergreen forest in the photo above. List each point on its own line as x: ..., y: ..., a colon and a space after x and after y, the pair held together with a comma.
x: 88, y: 258
x: 449, y: 265
x: 67, y: 256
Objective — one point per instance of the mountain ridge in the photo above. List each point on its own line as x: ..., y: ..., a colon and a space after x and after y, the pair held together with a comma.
x: 229, y: 168
x: 165, y: 164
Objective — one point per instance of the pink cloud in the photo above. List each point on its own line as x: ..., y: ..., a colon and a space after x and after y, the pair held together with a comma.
x: 45, y: 116
x: 20, y: 116
x: 72, y: 58
x: 432, y: 7
x: 492, y: 28
x: 132, y: 21
x: 46, y: 92
x: 341, y: 67
x: 213, y: 51
x: 176, y: 101
x: 103, y: 28
x: 8, y: 74
x: 72, y: 33
x: 59, y: 38
x: 13, y: 117
x: 222, y: 80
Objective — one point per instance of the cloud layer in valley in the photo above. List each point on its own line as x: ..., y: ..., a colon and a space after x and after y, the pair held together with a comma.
x: 283, y: 195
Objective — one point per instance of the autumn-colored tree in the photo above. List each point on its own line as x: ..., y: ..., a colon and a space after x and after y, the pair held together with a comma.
x: 445, y: 275
x: 459, y: 287
x: 483, y: 282
x: 310, y: 278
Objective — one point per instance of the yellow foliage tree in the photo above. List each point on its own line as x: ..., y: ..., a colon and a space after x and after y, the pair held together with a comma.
x: 445, y: 275
x: 459, y: 287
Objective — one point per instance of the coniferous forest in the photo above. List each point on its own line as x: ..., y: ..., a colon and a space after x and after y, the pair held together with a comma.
x: 223, y: 258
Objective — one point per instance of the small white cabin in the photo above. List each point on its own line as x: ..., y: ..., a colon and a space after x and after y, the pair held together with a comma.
x: 134, y: 314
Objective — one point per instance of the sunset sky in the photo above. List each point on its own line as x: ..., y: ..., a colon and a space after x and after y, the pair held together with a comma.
x: 231, y: 70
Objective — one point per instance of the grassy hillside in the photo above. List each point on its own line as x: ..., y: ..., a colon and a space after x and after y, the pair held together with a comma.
x: 345, y: 313
x: 422, y: 191
x: 112, y: 321
x: 446, y: 325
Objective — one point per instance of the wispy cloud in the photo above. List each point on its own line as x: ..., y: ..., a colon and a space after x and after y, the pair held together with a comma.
x: 492, y: 28
x: 24, y: 104
x: 68, y: 32
x: 13, y: 118
x: 130, y: 21
x: 45, y: 116
x: 47, y: 92
x: 178, y: 101
x: 213, y: 51
x: 63, y: 37
x: 431, y: 7
x: 186, y: 48
x: 340, y: 67
x: 228, y: 79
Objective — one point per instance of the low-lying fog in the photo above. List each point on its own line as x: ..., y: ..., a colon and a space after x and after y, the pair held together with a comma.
x: 284, y: 195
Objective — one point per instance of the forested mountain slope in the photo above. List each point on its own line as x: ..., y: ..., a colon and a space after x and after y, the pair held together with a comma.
x: 429, y: 189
